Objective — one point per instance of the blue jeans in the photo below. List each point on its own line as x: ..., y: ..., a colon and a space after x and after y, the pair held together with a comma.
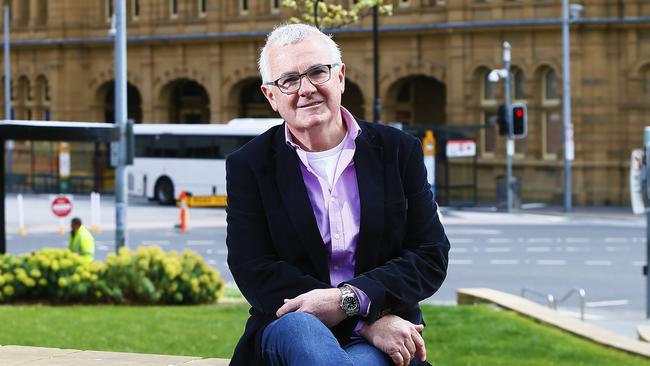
x: 299, y: 339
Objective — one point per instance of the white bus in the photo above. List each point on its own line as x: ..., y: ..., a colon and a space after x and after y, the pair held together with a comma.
x: 170, y: 158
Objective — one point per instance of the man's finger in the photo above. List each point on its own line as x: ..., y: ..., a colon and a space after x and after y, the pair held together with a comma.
x: 406, y: 355
x: 397, y: 358
x: 410, y: 346
x: 289, y: 306
x: 420, y: 345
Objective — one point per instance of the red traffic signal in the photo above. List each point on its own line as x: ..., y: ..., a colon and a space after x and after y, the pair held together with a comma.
x: 519, y: 121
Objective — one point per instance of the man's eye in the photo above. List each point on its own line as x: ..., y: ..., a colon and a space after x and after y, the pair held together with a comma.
x: 317, y: 72
x: 288, y: 80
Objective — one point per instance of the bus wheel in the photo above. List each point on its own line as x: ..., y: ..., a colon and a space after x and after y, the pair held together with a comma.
x: 165, y: 192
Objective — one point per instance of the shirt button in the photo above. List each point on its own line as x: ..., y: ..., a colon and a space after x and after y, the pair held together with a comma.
x: 337, y: 236
x: 336, y: 268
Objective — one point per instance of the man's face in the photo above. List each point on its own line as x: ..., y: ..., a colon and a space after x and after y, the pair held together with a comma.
x: 74, y: 226
x: 310, y: 105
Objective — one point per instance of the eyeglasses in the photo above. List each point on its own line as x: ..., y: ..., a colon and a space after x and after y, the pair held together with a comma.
x: 290, y: 83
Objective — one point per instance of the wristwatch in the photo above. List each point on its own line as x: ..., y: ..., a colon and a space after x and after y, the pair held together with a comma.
x: 349, y: 301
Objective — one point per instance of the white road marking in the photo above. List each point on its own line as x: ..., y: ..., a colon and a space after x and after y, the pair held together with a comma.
x: 454, y: 231
x: 201, y: 242
x: 597, y: 263
x: 638, y: 263
x: 460, y: 261
x: 577, y: 240
x: 459, y: 250
x: 538, y: 249
x: 498, y: 250
x: 212, y: 262
x: 504, y: 261
x: 159, y: 243
x: 551, y: 262
x: 461, y: 240
x: 499, y: 240
x: 102, y: 247
x: 222, y: 251
x: 617, y: 249
x: 576, y: 314
x: 616, y: 240
x: 540, y: 240
x: 577, y: 249
x: 559, y: 249
x: 600, y: 304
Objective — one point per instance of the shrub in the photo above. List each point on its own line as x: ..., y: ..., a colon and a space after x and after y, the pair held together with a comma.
x: 146, y: 276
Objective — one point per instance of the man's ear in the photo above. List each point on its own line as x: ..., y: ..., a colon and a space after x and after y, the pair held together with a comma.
x: 341, y: 76
x: 268, y: 93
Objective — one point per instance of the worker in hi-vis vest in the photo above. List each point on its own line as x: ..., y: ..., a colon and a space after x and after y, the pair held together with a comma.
x: 81, y: 240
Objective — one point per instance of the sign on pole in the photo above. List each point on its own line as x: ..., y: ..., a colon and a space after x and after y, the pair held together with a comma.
x: 61, y: 206
x: 636, y: 182
x: 461, y: 148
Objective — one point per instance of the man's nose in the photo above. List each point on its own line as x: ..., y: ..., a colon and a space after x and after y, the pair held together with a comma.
x: 306, y: 87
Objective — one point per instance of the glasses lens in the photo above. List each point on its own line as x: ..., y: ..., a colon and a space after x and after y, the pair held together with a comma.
x: 319, y: 74
x: 289, y: 82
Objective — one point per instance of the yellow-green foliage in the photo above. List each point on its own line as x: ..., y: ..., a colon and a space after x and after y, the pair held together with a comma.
x: 147, y: 275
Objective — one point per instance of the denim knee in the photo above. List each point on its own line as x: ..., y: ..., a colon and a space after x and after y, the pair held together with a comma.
x: 295, y: 326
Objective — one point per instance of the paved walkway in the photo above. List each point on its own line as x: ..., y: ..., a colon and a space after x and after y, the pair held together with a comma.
x: 39, y: 356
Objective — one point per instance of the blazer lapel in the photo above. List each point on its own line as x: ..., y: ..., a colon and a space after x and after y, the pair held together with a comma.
x: 296, y: 202
x: 368, y: 161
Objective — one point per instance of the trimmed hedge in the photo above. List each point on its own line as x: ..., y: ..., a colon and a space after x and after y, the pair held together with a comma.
x: 147, y: 275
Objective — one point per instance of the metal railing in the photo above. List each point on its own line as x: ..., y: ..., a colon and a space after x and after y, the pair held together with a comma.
x: 581, y: 293
x: 552, y: 302
x: 549, y: 297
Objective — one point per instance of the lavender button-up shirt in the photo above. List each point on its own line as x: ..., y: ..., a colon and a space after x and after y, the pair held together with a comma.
x: 337, y: 207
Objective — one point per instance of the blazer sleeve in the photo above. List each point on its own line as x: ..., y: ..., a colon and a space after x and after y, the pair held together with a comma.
x: 264, y: 279
x: 421, y: 267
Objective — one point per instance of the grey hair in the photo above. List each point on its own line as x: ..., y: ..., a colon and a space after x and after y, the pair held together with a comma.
x: 287, y: 34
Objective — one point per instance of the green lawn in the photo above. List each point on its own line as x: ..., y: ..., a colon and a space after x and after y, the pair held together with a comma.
x: 455, y: 335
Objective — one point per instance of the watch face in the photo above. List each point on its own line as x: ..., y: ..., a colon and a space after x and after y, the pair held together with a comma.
x: 350, y: 305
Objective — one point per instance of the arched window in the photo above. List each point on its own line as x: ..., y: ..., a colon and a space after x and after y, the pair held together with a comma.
x: 42, y: 99
x: 488, y: 113
x: 550, y: 86
x: 518, y: 84
x: 551, y: 117
x: 488, y: 88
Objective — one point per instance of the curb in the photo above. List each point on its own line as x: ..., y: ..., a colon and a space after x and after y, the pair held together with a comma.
x: 468, y: 296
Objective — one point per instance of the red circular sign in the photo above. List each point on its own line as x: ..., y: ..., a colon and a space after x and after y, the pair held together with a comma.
x: 61, y: 206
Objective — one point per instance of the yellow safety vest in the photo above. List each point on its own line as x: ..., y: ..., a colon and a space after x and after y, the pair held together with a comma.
x: 83, y: 243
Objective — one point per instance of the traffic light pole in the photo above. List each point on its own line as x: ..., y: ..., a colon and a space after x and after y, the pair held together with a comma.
x: 646, y: 146
x: 510, y: 142
x: 120, y: 121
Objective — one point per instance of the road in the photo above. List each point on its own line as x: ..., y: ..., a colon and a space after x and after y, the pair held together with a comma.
x: 547, y: 253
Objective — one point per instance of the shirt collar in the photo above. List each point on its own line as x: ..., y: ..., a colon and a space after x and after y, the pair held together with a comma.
x: 353, y: 128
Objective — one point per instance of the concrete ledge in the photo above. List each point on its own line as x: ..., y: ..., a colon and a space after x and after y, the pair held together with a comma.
x: 40, y: 356
x: 643, y: 332
x: 551, y: 317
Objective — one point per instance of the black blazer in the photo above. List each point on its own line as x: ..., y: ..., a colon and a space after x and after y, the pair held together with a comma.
x: 275, y: 250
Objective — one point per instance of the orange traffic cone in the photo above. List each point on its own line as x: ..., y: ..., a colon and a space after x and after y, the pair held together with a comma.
x: 184, y: 215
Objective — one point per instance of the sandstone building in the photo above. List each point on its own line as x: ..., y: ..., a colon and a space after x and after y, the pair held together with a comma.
x: 194, y: 61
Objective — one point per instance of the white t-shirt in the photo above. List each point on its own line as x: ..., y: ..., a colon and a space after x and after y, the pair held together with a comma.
x: 324, y: 162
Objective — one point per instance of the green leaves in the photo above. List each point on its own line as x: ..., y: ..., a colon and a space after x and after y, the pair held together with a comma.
x: 333, y: 15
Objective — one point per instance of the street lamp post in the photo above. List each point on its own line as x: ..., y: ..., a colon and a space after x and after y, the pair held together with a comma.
x: 375, y: 58
x: 569, y: 12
